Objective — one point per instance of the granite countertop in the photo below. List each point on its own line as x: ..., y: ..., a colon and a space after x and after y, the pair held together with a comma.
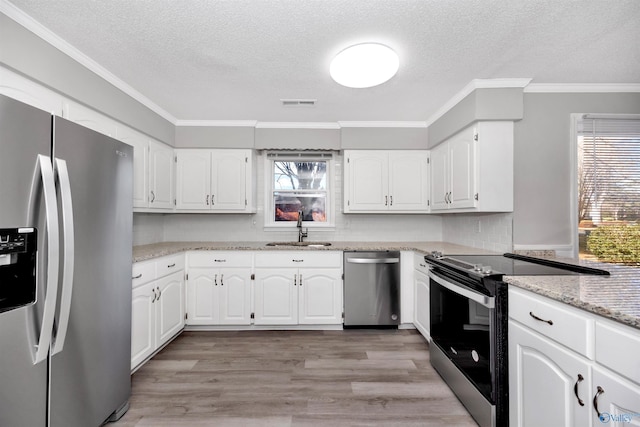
x: 615, y: 297
x: 145, y: 252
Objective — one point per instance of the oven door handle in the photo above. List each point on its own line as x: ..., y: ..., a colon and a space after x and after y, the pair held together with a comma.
x: 481, y: 299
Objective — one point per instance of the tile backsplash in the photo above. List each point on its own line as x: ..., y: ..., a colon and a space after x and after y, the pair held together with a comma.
x: 492, y: 231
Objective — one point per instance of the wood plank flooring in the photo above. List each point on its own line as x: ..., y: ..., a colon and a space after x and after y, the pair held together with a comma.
x: 293, y: 378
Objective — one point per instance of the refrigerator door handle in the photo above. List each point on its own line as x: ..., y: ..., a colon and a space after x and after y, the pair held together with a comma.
x: 44, y: 172
x: 62, y: 174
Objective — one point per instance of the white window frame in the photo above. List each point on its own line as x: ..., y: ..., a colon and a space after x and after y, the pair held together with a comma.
x: 270, y: 224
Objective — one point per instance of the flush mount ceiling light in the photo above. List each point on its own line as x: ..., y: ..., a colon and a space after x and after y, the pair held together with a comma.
x: 364, y: 65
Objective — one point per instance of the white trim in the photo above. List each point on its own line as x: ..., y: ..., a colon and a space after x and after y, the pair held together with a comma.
x: 473, y: 85
x: 48, y: 36
x: 573, y: 184
x: 382, y: 124
x: 216, y: 123
x: 297, y: 125
x: 581, y: 87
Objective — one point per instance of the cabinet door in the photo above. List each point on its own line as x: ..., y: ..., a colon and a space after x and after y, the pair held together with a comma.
x: 544, y: 382
x: 143, y: 322
x: 408, y: 180
x: 368, y: 176
x: 17, y: 87
x: 234, y: 296
x: 421, y: 301
x: 619, y: 402
x: 320, y: 296
x: 463, y: 176
x: 169, y: 307
x: 140, y: 165
x: 440, y: 178
x: 193, y: 179
x: 201, y: 296
x: 229, y: 180
x: 276, y: 296
x: 160, y: 175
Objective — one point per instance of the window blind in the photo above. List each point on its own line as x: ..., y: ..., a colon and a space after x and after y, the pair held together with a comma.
x: 609, y: 168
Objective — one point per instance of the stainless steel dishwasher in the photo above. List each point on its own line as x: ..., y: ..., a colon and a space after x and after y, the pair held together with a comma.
x: 371, y: 288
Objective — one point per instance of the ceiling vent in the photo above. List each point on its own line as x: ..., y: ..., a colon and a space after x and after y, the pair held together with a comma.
x: 298, y: 102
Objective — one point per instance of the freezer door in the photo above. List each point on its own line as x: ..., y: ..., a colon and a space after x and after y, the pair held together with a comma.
x: 90, y: 376
x: 25, y: 133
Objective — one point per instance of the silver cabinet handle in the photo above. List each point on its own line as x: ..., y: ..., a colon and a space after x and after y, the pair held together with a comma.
x: 295, y: 280
x: 153, y: 196
x: 212, y: 199
x: 600, y: 390
x: 220, y: 260
x: 391, y: 200
x: 159, y: 292
x: 172, y: 265
x: 222, y: 280
x: 297, y: 260
x: 575, y: 389
x: 136, y: 277
x: 215, y: 280
x: 386, y: 200
x: 539, y: 319
x: 207, y: 200
x: 300, y: 279
x: 155, y: 297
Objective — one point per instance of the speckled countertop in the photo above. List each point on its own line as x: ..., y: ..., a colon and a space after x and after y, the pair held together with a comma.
x: 616, y: 297
x: 145, y: 252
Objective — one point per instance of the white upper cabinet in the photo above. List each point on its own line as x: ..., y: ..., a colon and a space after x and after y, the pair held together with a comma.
x: 17, y: 87
x: 161, y: 175
x: 386, y: 181
x: 215, y: 180
x: 140, y: 145
x: 473, y: 169
x: 91, y: 119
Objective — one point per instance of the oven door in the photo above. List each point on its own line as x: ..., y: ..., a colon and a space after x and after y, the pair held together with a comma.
x: 462, y: 326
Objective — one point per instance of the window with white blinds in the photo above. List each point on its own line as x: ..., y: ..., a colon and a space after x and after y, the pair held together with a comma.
x: 609, y: 181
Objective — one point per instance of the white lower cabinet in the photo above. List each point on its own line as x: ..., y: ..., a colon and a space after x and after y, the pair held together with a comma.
x: 421, y: 296
x: 547, y: 382
x: 219, y: 296
x: 289, y: 295
x: 568, y: 367
x: 219, y: 288
x: 157, y: 307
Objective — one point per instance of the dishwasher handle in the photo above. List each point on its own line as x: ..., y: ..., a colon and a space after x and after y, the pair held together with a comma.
x: 373, y: 260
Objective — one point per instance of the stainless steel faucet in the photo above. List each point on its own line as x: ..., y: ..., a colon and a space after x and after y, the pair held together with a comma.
x: 301, y: 234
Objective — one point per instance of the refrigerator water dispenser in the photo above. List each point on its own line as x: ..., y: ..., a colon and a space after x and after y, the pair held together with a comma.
x: 18, y: 249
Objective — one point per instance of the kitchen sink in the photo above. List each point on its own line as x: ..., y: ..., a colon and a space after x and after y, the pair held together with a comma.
x: 304, y: 244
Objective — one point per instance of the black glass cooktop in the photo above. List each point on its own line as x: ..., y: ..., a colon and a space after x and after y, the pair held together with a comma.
x: 516, y: 265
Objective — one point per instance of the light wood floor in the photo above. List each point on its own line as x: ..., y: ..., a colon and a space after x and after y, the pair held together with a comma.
x: 293, y: 378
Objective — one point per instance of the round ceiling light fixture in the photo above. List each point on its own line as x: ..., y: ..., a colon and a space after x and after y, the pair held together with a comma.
x: 364, y: 65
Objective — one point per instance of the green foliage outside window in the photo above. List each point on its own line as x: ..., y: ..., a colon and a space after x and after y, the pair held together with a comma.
x: 618, y: 244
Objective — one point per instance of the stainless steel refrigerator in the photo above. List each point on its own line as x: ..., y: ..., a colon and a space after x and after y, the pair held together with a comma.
x: 65, y: 271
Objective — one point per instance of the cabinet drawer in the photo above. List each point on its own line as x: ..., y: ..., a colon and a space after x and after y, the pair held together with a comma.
x: 169, y: 264
x: 618, y: 348
x: 300, y: 259
x: 419, y: 263
x: 220, y: 259
x: 569, y: 327
x: 143, y: 272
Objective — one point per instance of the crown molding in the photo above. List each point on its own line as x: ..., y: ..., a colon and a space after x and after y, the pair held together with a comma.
x: 382, y: 124
x: 216, y: 123
x: 48, y: 36
x: 297, y: 125
x: 582, y: 87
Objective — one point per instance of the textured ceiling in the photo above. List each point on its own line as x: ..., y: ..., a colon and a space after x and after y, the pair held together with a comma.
x: 235, y: 60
